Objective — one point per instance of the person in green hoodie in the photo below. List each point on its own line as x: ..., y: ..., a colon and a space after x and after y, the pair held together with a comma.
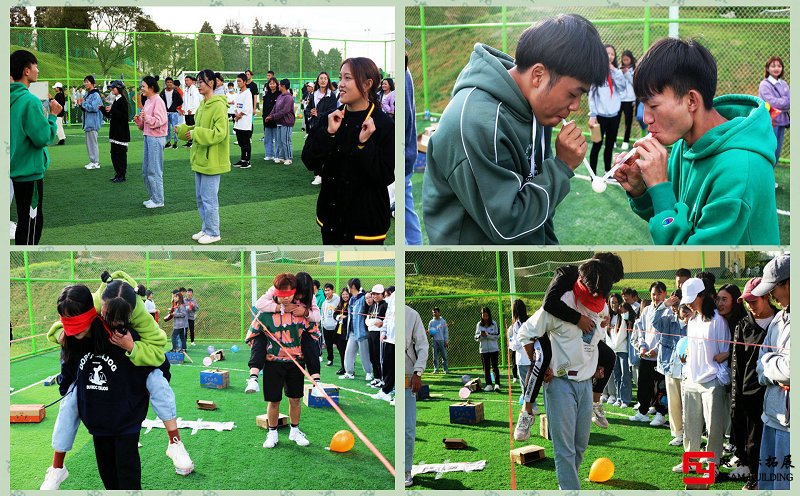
x: 209, y: 155
x: 491, y: 177
x: 716, y: 187
x: 31, y: 131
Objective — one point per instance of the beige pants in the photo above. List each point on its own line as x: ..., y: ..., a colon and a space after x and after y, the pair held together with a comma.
x: 705, y: 403
x: 675, y: 402
x: 60, y: 131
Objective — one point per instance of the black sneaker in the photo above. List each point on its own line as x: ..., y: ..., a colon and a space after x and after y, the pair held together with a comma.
x: 113, y: 179
x: 340, y: 372
x: 175, y: 145
x: 188, y: 144
x: 60, y: 143
x: 237, y: 164
x: 245, y: 165
x: 119, y: 180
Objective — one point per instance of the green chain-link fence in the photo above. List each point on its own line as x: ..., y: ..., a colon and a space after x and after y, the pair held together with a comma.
x: 461, y: 283
x: 740, y: 38
x: 222, y: 281
x: 68, y: 55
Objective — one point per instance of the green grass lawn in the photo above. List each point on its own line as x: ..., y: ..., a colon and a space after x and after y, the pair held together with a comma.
x: 643, y: 460
x: 268, y: 204
x: 588, y: 218
x: 223, y: 460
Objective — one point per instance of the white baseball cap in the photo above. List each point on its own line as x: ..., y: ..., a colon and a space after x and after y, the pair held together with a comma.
x: 378, y: 288
x: 690, y: 289
x: 58, y: 85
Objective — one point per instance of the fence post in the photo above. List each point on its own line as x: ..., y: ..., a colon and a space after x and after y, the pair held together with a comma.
x: 503, y: 337
x: 31, y: 321
x: 646, y: 39
x: 302, y: 38
x: 338, y: 273
x: 504, y: 32
x: 424, y: 58
x: 512, y: 281
x: 241, y: 293
x: 72, y: 266
x: 135, y: 60
x: 147, y: 269
x: 251, y: 55
x: 703, y: 261
x: 66, y: 65
x: 385, y: 65
x: 196, y: 65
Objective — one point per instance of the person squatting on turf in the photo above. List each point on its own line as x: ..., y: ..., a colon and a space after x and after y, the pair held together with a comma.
x: 280, y: 373
x: 301, y: 306
x: 91, y: 323
x: 491, y: 176
x: 574, y: 362
x: 119, y: 131
x: 30, y: 132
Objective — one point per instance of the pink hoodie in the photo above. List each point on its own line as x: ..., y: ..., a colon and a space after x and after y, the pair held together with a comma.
x: 154, y: 117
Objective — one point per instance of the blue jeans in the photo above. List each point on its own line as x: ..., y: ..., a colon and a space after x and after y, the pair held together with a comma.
x: 206, y: 190
x: 413, y: 231
x: 780, y: 131
x: 439, y: 351
x: 270, y: 138
x: 774, y: 443
x: 162, y: 399
x: 173, y: 119
x: 179, y: 339
x: 153, y: 167
x: 569, y: 409
x: 284, y: 142
x: 411, y: 427
x: 622, y: 377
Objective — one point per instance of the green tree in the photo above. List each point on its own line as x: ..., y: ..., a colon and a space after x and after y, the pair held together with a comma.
x: 235, y: 52
x: 208, y: 53
x: 21, y: 19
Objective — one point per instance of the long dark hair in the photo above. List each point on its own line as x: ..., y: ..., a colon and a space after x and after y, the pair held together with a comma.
x: 738, y: 312
x: 151, y: 82
x: 629, y: 54
x: 75, y: 300
x: 364, y: 69
x: 277, y: 84
x: 208, y: 77
x: 316, y: 83
x: 613, y: 62
x: 119, y: 300
x: 708, y: 306
x: 519, y: 311
x: 305, y: 289
x: 487, y: 311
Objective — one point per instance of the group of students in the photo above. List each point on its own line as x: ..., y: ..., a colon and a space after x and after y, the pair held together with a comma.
x: 730, y: 375
x: 182, y: 312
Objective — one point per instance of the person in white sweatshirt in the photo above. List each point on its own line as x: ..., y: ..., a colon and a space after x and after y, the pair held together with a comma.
x: 191, y: 101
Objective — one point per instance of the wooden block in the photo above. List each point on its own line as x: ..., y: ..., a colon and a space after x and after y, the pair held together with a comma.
x: 455, y: 443
x: 466, y: 413
x: 206, y: 405
x: 27, y: 413
x: 544, y: 427
x: 527, y: 454
x: 473, y: 385
x: 261, y: 421
x: 215, y: 379
x: 424, y: 392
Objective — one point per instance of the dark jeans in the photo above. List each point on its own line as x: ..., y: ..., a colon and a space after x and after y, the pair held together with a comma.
x: 191, y: 330
x: 243, y: 138
x: 627, y: 111
x: 311, y: 353
x: 490, y: 365
x: 118, y: 461
x: 606, y: 358
x: 119, y: 159
x: 26, y: 194
x: 747, y: 427
x: 647, y: 387
x: 375, y: 353
x: 388, y: 367
x: 258, y: 351
x: 609, y: 127
x: 330, y: 341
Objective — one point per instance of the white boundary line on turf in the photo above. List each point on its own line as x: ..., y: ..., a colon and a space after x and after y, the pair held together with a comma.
x: 28, y: 387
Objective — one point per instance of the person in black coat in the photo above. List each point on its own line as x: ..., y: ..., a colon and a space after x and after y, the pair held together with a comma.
x: 271, y: 93
x: 119, y: 133
x: 62, y: 100
x: 321, y: 102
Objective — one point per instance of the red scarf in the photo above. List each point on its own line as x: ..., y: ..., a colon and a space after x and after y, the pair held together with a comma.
x: 587, y: 299
x: 610, y: 84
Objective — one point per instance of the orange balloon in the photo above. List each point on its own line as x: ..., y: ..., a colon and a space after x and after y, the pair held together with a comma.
x: 342, y: 441
x: 602, y: 470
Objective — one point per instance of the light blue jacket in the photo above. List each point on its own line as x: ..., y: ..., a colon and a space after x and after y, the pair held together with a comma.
x: 602, y: 101
x: 92, y: 118
x: 667, y: 321
x: 355, y: 318
x: 628, y: 95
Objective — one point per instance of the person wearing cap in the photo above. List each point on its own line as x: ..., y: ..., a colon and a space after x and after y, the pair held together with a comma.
x: 375, y: 324
x: 773, y: 372
x: 747, y: 395
x: 119, y: 133
x: 61, y: 98
x: 92, y: 120
x: 282, y: 115
x: 706, y: 371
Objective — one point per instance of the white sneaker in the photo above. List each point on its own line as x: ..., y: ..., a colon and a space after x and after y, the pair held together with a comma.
x: 651, y: 410
x: 514, y: 380
x: 252, y: 385
x: 611, y: 400
x: 194, y: 344
x: 288, y: 161
x: 488, y: 388
x: 278, y: 161
x: 152, y: 204
x: 391, y: 402
x: 618, y: 403
x: 679, y: 468
x: 380, y: 395
x: 272, y: 439
x: 741, y: 472
x: 207, y: 240
x: 54, y: 478
x: 658, y: 420
x: 298, y: 437
x: 180, y: 458
x: 347, y: 376
x: 268, y: 158
x: 91, y: 166
x: 317, y: 180
x: 599, y: 415
x: 636, y: 406
x: 497, y: 387
x: 676, y: 441
x: 625, y: 146
x: 603, y: 398
x: 369, y: 377
x: 639, y: 418
x: 523, y: 429
x: 12, y: 229
x: 409, y: 479
x: 198, y: 235
x: 623, y: 405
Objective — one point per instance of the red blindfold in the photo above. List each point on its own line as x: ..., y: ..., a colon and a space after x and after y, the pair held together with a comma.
x: 79, y: 323
x: 284, y: 293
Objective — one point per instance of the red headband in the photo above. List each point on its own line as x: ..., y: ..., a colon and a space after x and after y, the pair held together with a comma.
x: 79, y: 323
x: 587, y: 299
x: 284, y: 293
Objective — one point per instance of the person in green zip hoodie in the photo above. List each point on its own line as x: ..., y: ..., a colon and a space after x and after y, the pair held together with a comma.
x: 716, y: 187
x: 31, y: 131
x: 491, y: 177
x: 210, y: 154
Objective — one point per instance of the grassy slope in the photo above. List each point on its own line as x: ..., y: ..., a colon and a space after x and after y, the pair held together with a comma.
x: 269, y: 204
x: 223, y: 460
x: 51, y: 66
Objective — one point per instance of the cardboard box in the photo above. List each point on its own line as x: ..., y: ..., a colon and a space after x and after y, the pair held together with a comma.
x: 527, y: 454
x: 215, y: 379
x: 424, y: 392
x: 422, y: 143
x: 544, y: 428
x: 473, y: 385
x: 27, y: 413
x: 261, y: 421
x: 430, y: 129
x: 455, y: 443
x: 313, y: 401
x: 51, y: 381
x: 218, y: 356
x: 175, y: 357
x: 466, y: 413
x: 206, y: 405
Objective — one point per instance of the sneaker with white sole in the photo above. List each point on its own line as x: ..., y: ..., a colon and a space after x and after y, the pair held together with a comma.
x: 488, y: 388
x: 636, y: 406
x: 317, y: 180
x: 272, y: 439
x: 651, y: 410
x: 658, y: 420
x: 347, y: 376
x: 252, y: 385
x: 603, y: 398
x: 268, y: 158
x: 369, y: 377
x: 198, y: 235
x: 380, y: 395
x: 679, y: 468
x: 599, y: 415
x: 618, y: 403
x: 296, y: 435
x: 180, y: 458
x: 740, y: 472
x: 625, y: 146
x: 639, y: 417
x: 53, y: 478
x: 91, y: 166
x: 375, y: 382
x: 288, y: 161
x: 522, y: 431
x: 676, y: 441
x: 12, y: 228
x: 152, y: 204
x: 207, y: 240
x: 278, y: 160
x: 497, y: 387
x: 409, y: 479
x: 623, y: 405
x: 611, y: 400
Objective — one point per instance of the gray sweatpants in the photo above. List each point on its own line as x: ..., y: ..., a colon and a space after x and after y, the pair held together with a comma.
x: 91, y: 147
x: 355, y: 347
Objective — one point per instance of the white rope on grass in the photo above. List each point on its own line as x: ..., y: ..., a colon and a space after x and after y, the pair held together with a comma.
x: 30, y: 386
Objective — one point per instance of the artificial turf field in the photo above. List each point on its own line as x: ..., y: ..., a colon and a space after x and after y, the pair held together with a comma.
x: 223, y: 460
x: 268, y: 204
x: 642, y: 458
